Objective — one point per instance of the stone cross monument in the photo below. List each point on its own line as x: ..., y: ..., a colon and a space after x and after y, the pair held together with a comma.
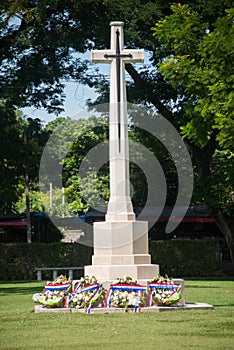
x: 121, y: 242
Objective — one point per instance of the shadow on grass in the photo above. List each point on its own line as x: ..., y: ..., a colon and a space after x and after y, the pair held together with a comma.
x: 20, y: 290
x: 221, y: 305
x: 216, y: 278
x: 208, y: 285
x: 202, y: 286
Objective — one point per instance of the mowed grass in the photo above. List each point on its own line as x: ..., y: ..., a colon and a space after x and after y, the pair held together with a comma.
x: 21, y: 328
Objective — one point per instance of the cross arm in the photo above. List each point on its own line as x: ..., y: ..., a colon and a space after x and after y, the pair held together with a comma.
x: 106, y: 56
x: 99, y: 56
x: 133, y: 55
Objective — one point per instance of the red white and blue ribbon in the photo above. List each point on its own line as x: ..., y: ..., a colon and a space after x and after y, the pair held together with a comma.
x: 165, y: 286
x: 171, y: 286
x: 64, y: 286
x: 75, y: 291
x: 97, y: 292
x: 125, y: 287
x: 91, y: 287
x: 77, y: 287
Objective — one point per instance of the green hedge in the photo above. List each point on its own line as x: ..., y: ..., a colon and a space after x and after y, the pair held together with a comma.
x: 19, y: 260
x: 176, y: 258
x: 191, y: 258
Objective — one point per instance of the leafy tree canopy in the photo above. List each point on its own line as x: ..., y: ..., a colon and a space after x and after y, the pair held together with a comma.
x: 198, y: 62
x: 189, y: 81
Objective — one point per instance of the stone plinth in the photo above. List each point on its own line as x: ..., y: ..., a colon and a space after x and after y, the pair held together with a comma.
x: 189, y: 306
x: 182, y: 299
x: 121, y: 249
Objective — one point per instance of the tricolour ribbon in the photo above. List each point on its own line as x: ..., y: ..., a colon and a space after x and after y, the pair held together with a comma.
x: 155, y: 285
x: 125, y: 287
x: 94, y: 298
x: 91, y: 287
x: 64, y: 286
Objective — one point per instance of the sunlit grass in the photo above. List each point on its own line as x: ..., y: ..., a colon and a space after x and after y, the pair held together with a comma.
x: 21, y: 328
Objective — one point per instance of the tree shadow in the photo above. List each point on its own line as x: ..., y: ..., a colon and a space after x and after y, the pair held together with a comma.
x: 222, y: 305
x: 20, y: 290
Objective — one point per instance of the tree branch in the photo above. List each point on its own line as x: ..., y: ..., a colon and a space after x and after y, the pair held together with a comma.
x: 6, y: 41
x: 202, y: 156
x: 150, y: 95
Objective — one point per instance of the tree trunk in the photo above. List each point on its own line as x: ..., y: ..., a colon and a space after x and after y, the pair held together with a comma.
x: 226, y: 225
x: 203, y: 156
x: 28, y: 216
x: 153, y: 98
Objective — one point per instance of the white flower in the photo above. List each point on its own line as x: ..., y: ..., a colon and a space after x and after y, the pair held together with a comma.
x: 115, y: 298
x: 86, y: 298
x: 36, y: 296
x: 134, y: 301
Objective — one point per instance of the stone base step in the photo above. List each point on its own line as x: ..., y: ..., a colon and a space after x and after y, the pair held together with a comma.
x: 188, y: 306
x: 111, y: 272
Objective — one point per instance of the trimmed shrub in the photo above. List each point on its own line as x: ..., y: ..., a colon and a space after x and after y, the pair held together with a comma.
x: 176, y: 258
x: 191, y: 258
x: 19, y: 260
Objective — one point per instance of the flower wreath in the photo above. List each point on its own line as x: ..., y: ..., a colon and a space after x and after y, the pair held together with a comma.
x: 163, y: 291
x: 126, y: 293
x: 87, y: 291
x: 54, y: 293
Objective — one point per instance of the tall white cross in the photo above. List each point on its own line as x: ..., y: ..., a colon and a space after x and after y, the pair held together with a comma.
x: 120, y: 205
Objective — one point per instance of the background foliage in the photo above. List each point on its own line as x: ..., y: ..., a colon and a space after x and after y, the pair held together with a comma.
x: 176, y: 258
x: 189, y: 80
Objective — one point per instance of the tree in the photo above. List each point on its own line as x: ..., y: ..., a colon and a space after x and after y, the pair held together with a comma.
x: 36, y: 44
x: 197, y: 62
x: 9, y: 159
x: 38, y: 52
x: 83, y: 135
x: 34, y: 141
x: 21, y: 142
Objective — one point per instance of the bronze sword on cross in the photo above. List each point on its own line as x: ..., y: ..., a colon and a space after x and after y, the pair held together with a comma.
x: 117, y: 56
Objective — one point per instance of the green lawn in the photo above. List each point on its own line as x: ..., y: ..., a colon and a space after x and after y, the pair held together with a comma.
x: 21, y: 328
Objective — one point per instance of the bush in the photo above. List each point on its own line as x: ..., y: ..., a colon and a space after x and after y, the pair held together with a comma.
x: 19, y: 260
x: 191, y: 258
x: 176, y: 258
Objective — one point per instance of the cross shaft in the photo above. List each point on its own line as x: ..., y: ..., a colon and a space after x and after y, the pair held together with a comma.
x: 119, y: 206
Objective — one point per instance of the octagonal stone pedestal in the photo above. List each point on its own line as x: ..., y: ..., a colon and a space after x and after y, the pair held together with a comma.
x: 121, y: 249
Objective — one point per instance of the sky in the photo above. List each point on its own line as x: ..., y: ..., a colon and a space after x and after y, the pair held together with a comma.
x: 76, y: 95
